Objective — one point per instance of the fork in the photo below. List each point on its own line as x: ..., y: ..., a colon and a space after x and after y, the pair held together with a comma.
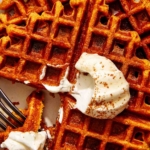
x: 3, y: 101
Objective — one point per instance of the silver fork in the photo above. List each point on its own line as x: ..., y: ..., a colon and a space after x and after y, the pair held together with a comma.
x: 4, y: 110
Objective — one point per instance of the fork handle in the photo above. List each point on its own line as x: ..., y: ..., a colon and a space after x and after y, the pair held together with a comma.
x: 9, y: 103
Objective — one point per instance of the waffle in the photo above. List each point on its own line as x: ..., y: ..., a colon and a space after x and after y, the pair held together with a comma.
x: 33, y: 115
x: 118, y: 30
x: 52, y: 40
x: 39, y: 50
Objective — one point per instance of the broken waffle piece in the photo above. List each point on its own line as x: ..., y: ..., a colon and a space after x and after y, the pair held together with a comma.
x: 33, y: 116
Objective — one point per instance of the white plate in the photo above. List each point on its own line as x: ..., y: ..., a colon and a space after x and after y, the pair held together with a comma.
x: 18, y: 92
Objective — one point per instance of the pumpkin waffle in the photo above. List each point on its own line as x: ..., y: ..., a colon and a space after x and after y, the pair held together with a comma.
x: 118, y: 30
x: 33, y: 115
x: 39, y: 52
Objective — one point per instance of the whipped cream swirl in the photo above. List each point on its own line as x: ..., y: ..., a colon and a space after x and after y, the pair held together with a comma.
x: 25, y: 140
x: 101, y: 90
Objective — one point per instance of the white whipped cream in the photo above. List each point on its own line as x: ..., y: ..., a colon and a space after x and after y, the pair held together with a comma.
x: 26, y: 82
x: 64, y: 85
x: 42, y: 75
x: 48, y: 134
x: 61, y: 113
x: 102, y: 93
x: 25, y: 140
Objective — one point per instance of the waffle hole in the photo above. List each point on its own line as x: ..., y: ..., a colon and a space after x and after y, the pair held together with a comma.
x: 115, y: 8
x: 11, y: 61
x: 134, y: 95
x: 15, y: 40
x: 147, y: 100
x: 64, y: 33
x: 67, y: 8
x: 142, y: 18
x: 125, y: 25
x: 76, y: 118
x: 113, y: 146
x: 118, y: 65
x: 9, y: 64
x: 103, y: 20
x: 8, y: 45
x: 13, y: 12
x: 138, y: 136
x: 140, y: 53
x: 42, y: 28
x: 134, y: 75
x: 15, y: 43
x: 70, y: 138
x: 97, y: 42
x: 31, y: 68
x: 58, y: 55
x: 97, y: 125
x: 22, y: 23
x: 118, y: 129
x: 91, y: 144
x: 119, y: 47
x: 53, y: 75
x: 37, y: 48
x: 3, y: 33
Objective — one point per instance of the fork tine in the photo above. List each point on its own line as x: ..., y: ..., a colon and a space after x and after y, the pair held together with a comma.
x: 2, y: 126
x: 9, y: 103
x: 6, y: 120
x: 9, y: 113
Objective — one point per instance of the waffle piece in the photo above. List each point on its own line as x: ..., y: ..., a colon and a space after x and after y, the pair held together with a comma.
x: 40, y: 52
x: 78, y: 131
x: 118, y: 30
x: 126, y: 48
x: 33, y: 115
x: 16, y: 12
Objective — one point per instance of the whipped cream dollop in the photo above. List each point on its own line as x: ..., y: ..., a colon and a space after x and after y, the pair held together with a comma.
x: 25, y: 140
x: 101, y: 90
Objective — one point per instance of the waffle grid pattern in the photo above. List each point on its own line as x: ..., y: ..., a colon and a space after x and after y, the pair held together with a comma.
x: 125, y: 132
x: 42, y: 43
x: 121, y: 46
